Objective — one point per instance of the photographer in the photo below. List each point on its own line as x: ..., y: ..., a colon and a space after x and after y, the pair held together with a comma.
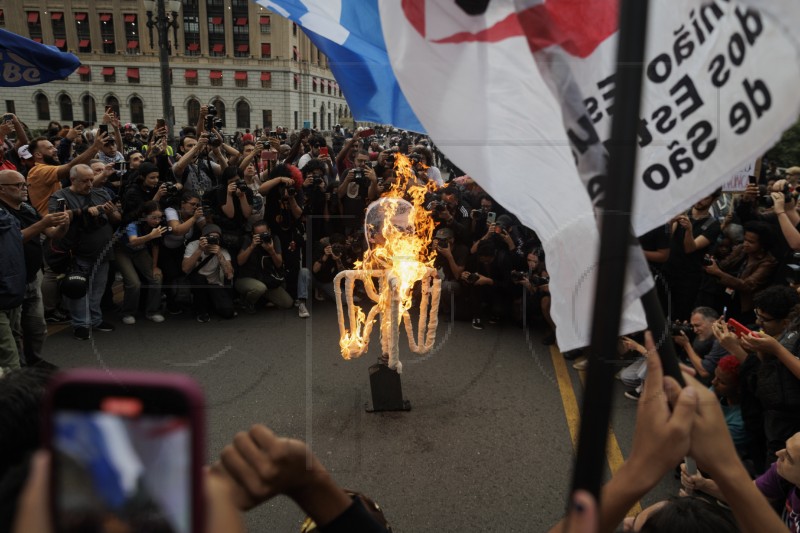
x: 450, y: 261
x: 261, y: 272
x: 359, y: 188
x: 145, y: 188
x: 451, y: 213
x: 185, y: 222
x: 195, y: 170
x: 92, y: 214
x: 746, y: 270
x: 208, y: 266
x: 487, y: 282
x: 328, y: 262
x: 787, y: 215
x: 536, y: 282
x: 315, y: 188
x: 229, y: 206
x: 478, y: 224
x: 705, y: 351
x: 137, y: 256
x: 426, y: 158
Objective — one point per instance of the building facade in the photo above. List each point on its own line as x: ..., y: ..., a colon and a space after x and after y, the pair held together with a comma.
x: 257, y: 68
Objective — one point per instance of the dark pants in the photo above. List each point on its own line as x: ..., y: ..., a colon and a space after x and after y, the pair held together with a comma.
x: 206, y: 296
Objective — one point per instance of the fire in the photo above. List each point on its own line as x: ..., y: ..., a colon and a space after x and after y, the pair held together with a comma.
x: 400, y: 232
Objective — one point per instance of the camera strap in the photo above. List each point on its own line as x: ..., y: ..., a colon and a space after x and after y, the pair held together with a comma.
x: 201, y: 264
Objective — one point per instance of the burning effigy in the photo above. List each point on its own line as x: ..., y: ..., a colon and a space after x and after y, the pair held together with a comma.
x: 399, y: 231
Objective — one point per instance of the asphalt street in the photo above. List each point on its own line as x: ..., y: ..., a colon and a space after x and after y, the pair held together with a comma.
x: 486, y: 446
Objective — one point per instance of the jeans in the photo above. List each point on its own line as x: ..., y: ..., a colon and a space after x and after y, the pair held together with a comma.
x: 303, y: 283
x: 9, y: 355
x: 136, y: 266
x: 86, y: 311
x: 205, y: 296
x: 30, y: 330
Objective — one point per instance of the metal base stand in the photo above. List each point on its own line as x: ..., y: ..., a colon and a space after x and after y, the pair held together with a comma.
x: 387, y: 391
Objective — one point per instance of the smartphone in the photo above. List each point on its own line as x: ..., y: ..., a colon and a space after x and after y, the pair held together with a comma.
x: 369, y: 132
x: 127, y: 451
x: 8, y: 117
x: 103, y: 128
x: 738, y: 328
x: 61, y: 205
x: 269, y: 155
x: 491, y: 217
x: 472, y: 278
x: 323, y: 151
x: 80, y: 124
x: 752, y: 180
x: 161, y: 123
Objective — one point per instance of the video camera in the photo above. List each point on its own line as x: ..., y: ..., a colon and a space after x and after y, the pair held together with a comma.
x: 767, y: 201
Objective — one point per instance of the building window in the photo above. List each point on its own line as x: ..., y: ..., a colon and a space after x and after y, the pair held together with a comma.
x: 240, y: 27
x: 131, y: 34
x: 109, y: 74
x: 296, y: 82
x: 133, y: 75
x: 294, y: 29
x: 218, y: 48
x: 314, y: 121
x: 85, y: 72
x: 192, y: 49
x: 107, y: 33
x: 266, y: 118
x: 241, y: 50
x: 241, y: 78
x: 242, y: 114
x: 191, y: 24
x: 34, y: 26
x: 296, y: 118
x: 266, y: 24
x: 137, y: 110
x: 193, y: 111
x: 82, y: 30
x: 191, y: 77
x: 295, y: 54
x: 89, y: 109
x: 216, y: 78
x: 266, y: 80
x: 59, y: 30
x: 220, y: 105
x: 215, y: 26
x: 314, y: 85
x: 3, y: 24
x: 266, y: 50
x: 65, y: 107
x: 10, y: 107
x: 42, y: 107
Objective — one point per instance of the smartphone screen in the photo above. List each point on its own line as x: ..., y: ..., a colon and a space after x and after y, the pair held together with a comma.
x: 491, y: 217
x: 268, y: 155
x: 160, y: 123
x: 124, y: 456
x: 103, y: 128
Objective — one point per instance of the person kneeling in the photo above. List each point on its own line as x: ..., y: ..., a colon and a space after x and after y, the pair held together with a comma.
x: 208, y: 266
x: 261, y: 272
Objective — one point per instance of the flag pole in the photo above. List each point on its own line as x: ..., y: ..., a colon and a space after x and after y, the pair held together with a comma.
x: 615, y: 240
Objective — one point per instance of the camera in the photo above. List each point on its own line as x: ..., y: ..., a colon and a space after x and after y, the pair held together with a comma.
x: 318, y: 180
x: 767, y: 201
x: 61, y: 205
x: 538, y: 281
x: 676, y: 329
x: 358, y: 176
x: 171, y: 187
x: 212, y: 111
x: 443, y: 243
x: 516, y: 275
x: 241, y: 185
x: 708, y: 260
x: 265, y: 237
x: 212, y: 239
x: 121, y: 166
x: 439, y: 207
x: 337, y: 249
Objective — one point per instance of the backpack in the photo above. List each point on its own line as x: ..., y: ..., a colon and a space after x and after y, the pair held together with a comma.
x: 13, y: 276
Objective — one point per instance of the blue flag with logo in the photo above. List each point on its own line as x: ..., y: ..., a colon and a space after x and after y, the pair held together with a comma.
x: 25, y: 62
x: 349, y: 34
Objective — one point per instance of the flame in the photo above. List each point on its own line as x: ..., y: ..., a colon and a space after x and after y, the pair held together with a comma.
x: 399, y: 254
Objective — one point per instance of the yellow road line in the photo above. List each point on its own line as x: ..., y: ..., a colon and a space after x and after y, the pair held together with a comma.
x: 572, y: 412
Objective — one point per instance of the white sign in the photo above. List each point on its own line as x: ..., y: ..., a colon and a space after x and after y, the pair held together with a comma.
x: 739, y: 179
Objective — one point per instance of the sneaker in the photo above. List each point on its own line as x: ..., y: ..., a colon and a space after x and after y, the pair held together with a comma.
x: 104, y: 326
x: 129, y: 320
x: 476, y: 323
x: 56, y: 317
x: 205, y: 317
x: 156, y: 317
x: 82, y: 334
x: 302, y: 311
x: 633, y: 394
x: 581, y: 365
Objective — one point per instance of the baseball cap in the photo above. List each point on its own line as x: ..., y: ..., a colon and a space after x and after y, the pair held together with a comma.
x: 23, y: 152
x: 211, y: 228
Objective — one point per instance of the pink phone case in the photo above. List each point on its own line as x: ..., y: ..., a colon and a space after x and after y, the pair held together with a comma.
x: 124, y: 380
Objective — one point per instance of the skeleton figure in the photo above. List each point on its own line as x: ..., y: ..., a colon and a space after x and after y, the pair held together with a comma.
x: 393, y: 260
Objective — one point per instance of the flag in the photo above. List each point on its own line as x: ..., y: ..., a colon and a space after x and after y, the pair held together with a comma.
x: 26, y: 62
x: 718, y: 91
x: 347, y: 33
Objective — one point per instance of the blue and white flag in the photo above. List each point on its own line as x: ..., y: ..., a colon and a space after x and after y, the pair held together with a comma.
x: 348, y: 33
x: 26, y: 62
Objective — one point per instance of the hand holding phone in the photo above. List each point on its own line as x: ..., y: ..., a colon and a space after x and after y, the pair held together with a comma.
x: 323, y: 151
x: 124, y: 442
x: 738, y: 328
x: 369, y: 132
x: 269, y: 155
x: 491, y: 217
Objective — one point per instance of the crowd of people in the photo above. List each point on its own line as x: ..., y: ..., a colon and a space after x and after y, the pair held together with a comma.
x: 217, y: 225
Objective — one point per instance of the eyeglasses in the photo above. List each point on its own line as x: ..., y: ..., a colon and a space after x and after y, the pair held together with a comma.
x: 20, y: 185
x: 761, y: 318
x: 194, y: 204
